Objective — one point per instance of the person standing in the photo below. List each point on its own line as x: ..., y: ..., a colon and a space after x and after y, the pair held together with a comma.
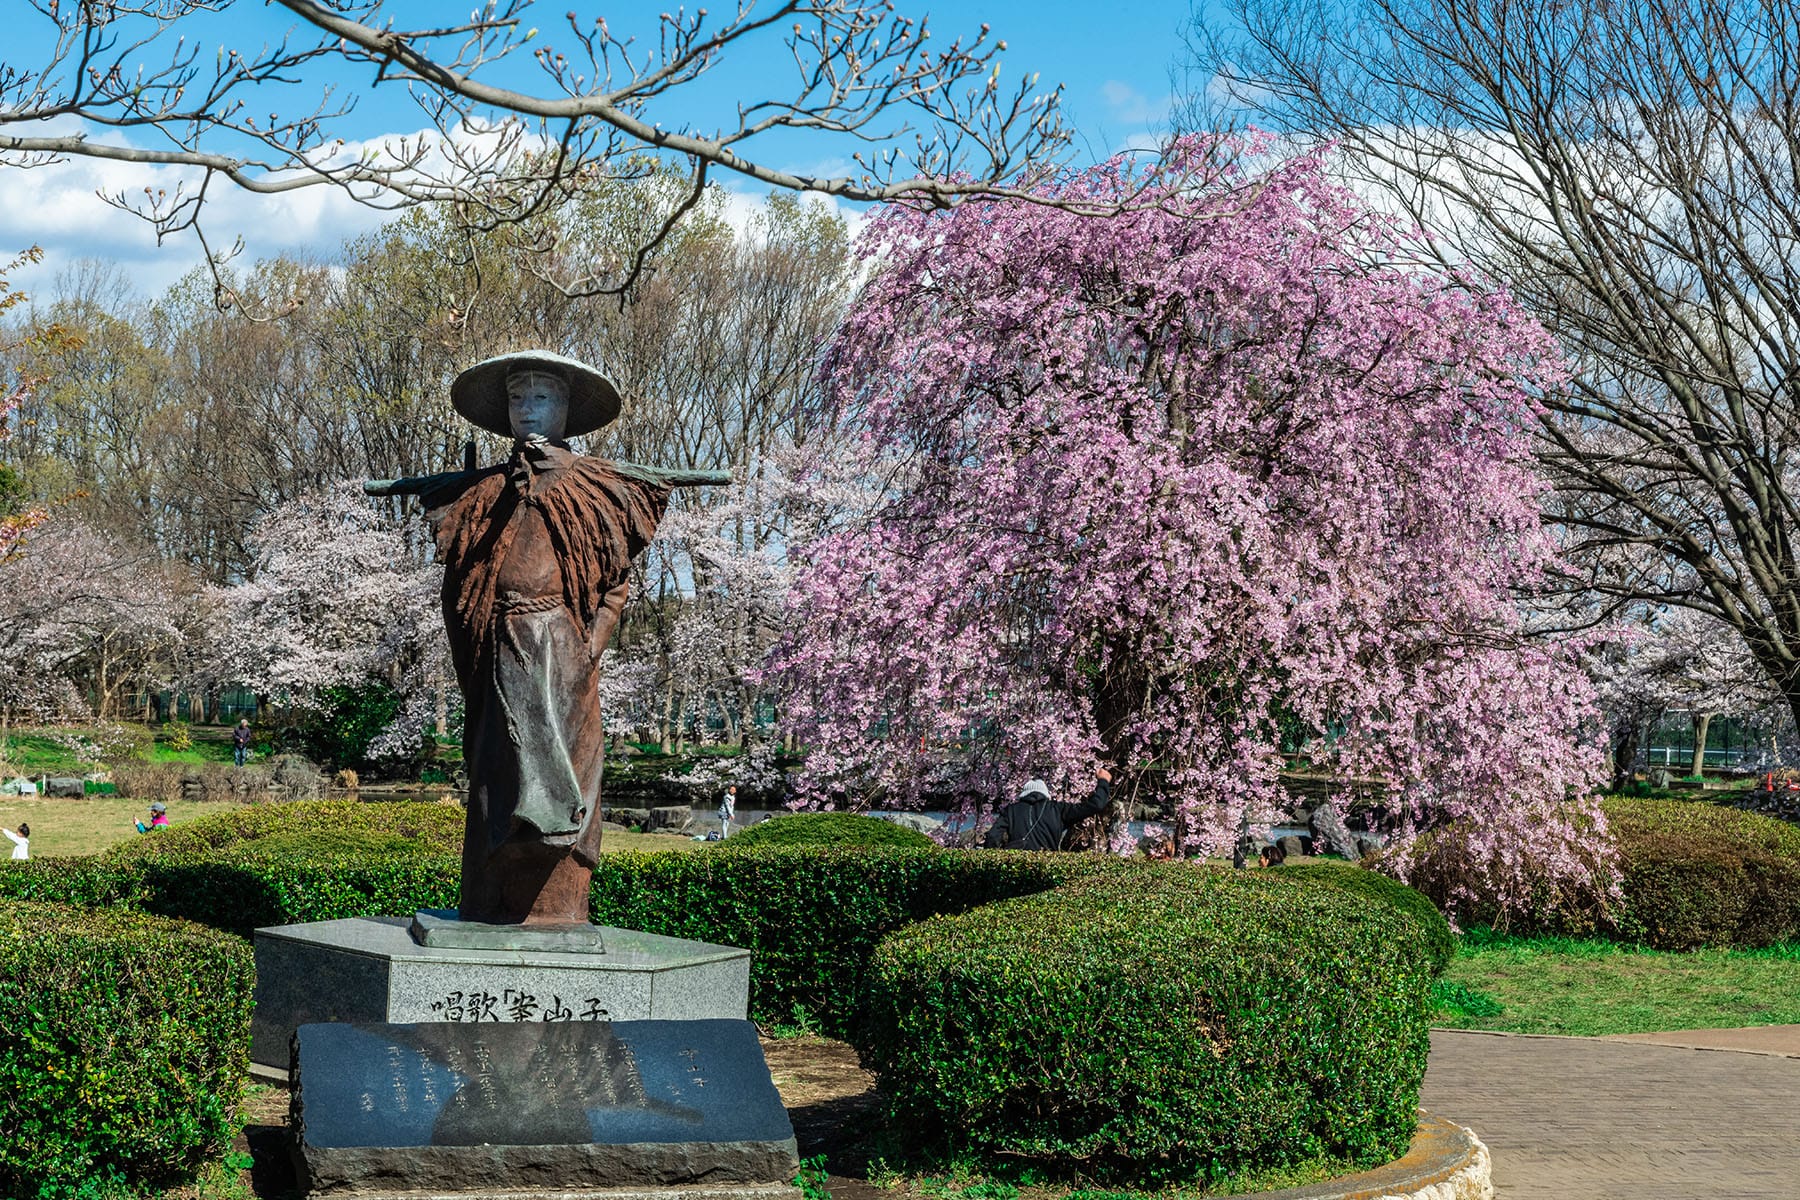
x: 240, y: 741
x: 1036, y: 822
x: 727, y: 810
x: 21, y: 841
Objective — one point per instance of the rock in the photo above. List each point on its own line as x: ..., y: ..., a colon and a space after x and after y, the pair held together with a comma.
x: 675, y: 817
x: 1292, y: 845
x: 65, y: 786
x: 914, y: 821
x: 1367, y: 845
x: 638, y: 818
x: 1329, y: 833
x: 300, y: 779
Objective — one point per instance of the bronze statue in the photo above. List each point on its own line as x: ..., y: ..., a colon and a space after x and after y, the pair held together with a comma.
x: 536, y: 554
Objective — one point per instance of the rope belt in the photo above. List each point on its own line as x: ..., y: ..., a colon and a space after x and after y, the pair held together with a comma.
x: 513, y: 602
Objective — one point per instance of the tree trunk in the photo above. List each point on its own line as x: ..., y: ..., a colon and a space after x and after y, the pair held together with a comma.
x: 733, y: 731
x: 1626, y: 741
x: 1701, y: 721
x: 668, y: 718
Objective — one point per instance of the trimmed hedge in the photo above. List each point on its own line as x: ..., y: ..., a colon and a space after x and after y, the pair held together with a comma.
x: 1294, y: 970
x: 123, y: 1048
x: 811, y: 916
x: 1371, y: 886
x: 289, y: 878
x: 830, y: 829
x: 1698, y: 874
x: 1168, y: 1024
x: 1691, y: 873
x: 434, y: 827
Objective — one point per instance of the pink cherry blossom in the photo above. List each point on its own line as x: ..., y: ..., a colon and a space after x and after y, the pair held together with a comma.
x: 1148, y: 489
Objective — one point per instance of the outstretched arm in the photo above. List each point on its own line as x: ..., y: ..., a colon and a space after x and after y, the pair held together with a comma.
x: 1098, y: 802
x: 414, y: 485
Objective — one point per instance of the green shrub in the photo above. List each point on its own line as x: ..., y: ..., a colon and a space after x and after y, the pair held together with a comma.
x: 339, y: 731
x: 304, y: 875
x: 271, y: 864
x: 1370, y: 885
x: 123, y: 1048
x: 85, y: 882
x: 122, y: 741
x: 1690, y: 873
x: 831, y: 829
x: 1698, y: 874
x: 812, y: 915
x: 1165, y: 1023
x: 178, y: 735
x: 435, y: 828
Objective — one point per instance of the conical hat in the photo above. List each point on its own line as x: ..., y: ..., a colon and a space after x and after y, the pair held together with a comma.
x: 479, y: 393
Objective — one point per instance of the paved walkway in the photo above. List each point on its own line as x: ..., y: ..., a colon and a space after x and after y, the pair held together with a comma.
x: 1639, y: 1117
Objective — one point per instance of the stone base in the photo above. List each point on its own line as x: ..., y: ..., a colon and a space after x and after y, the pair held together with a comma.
x: 371, y: 969
x: 443, y: 927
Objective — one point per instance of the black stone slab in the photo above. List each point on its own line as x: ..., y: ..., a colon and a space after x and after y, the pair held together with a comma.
x: 527, y: 1104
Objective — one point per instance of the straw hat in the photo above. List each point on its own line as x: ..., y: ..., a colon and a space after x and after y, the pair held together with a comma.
x: 479, y: 393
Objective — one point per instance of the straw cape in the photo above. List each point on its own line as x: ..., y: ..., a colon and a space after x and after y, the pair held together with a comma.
x: 479, y: 393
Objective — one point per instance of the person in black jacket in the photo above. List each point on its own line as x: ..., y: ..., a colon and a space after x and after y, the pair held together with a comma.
x: 1036, y: 822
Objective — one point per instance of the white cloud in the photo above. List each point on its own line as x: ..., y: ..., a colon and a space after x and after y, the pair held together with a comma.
x: 1125, y: 103
x: 741, y: 208
x: 59, y: 207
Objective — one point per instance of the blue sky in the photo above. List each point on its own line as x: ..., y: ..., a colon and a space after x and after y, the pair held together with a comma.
x: 1114, y: 61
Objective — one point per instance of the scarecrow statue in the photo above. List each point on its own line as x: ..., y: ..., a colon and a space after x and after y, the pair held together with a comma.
x: 536, y: 554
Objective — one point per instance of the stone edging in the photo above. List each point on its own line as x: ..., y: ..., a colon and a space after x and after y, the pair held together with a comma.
x: 1446, y: 1162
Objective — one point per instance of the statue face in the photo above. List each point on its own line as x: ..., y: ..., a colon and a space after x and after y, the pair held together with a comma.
x: 537, y: 404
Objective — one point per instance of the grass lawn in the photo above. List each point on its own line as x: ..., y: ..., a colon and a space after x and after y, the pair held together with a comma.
x: 34, y: 752
x: 1590, y: 987
x: 89, y: 825
x: 38, y: 753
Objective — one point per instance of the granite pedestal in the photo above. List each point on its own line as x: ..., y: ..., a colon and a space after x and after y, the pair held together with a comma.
x: 368, y: 969
x: 601, y: 1109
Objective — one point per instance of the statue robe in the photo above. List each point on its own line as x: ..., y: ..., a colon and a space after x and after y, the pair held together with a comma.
x: 536, y: 556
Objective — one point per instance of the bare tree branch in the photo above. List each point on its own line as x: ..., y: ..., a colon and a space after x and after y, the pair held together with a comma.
x: 125, y: 83
x: 1632, y: 173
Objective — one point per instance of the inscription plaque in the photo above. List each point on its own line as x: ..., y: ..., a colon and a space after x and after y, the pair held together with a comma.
x: 415, y: 1105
